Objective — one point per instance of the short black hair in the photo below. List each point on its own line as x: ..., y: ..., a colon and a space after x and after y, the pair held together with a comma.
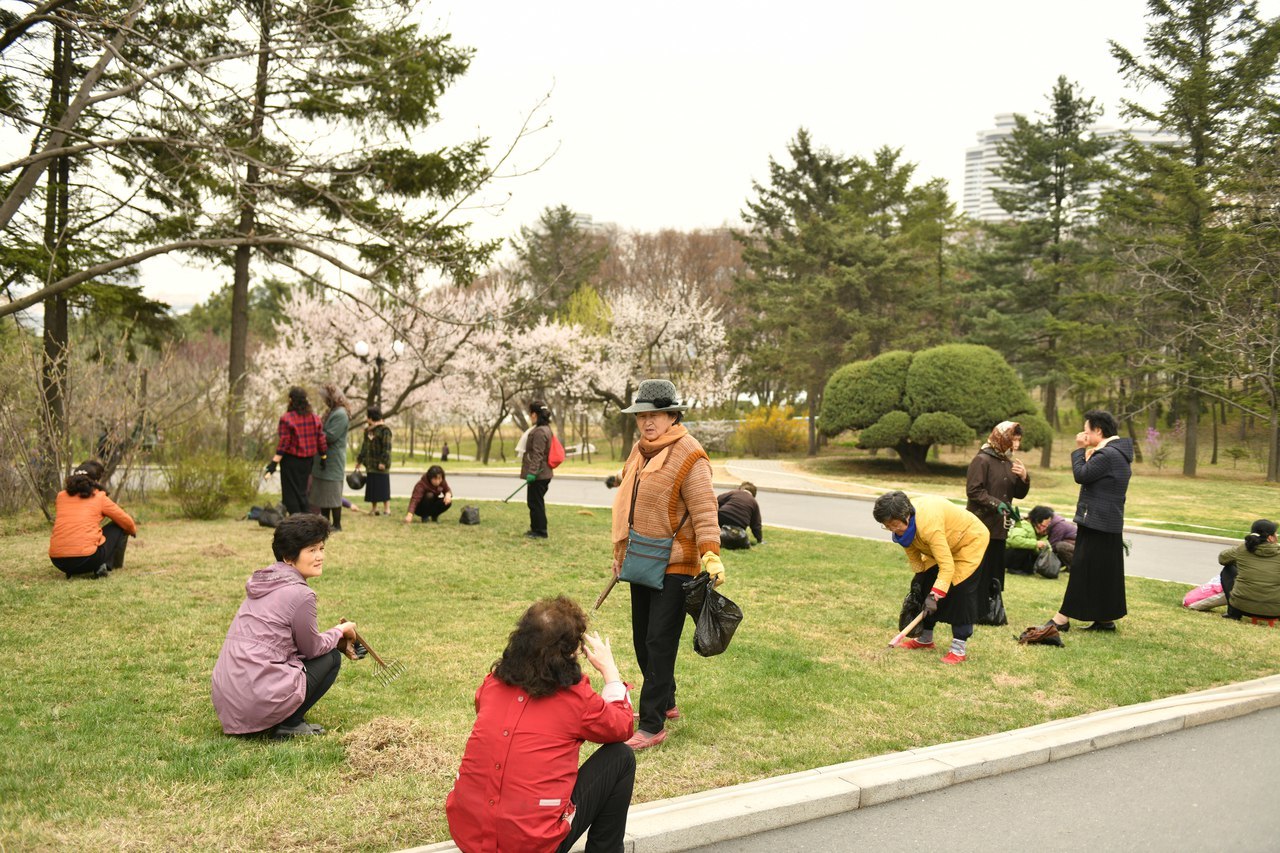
x: 541, y: 414
x: 296, y: 532
x: 893, y: 505
x: 373, y: 413
x: 1039, y: 514
x: 1101, y: 419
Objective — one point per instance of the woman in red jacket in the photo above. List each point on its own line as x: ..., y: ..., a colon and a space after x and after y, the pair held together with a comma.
x: 519, y: 788
x: 79, y: 545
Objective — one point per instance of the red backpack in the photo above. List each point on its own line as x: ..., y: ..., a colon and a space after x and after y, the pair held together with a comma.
x: 556, y: 454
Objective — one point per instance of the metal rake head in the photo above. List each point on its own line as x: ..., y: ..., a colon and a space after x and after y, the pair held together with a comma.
x: 389, y: 672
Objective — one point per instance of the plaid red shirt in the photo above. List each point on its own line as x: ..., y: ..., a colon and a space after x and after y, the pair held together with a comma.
x: 301, y: 435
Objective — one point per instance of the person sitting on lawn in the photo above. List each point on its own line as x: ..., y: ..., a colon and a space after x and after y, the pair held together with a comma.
x: 945, y: 543
x: 1020, y: 549
x: 275, y: 663
x: 1251, y: 575
x: 534, y: 710
x: 431, y: 496
x: 738, y: 508
x: 1058, y: 534
x: 78, y: 544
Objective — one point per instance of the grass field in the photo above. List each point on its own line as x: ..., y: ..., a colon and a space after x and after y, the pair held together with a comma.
x: 111, y: 741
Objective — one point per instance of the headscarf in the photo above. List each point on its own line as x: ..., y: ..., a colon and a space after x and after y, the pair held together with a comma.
x: 1000, y: 442
x: 647, y: 450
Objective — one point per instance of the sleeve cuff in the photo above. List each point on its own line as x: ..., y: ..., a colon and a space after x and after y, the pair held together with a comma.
x: 614, y: 691
x: 704, y: 547
x: 939, y: 593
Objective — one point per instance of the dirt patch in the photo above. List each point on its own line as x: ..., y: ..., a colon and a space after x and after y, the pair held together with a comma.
x: 586, y: 512
x: 217, y: 549
x: 393, y: 745
x: 1001, y: 679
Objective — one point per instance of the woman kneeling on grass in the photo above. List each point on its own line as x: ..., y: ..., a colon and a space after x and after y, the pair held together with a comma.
x: 520, y: 787
x: 946, y: 543
x: 274, y: 663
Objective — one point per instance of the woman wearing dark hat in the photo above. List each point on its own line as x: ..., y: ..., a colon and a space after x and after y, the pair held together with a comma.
x: 996, y: 478
x: 536, y: 470
x: 664, y: 493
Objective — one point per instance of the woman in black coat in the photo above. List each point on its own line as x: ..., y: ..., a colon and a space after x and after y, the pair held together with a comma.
x: 1102, y: 465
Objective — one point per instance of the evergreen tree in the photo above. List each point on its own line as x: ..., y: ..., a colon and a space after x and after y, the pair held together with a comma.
x: 559, y: 256
x: 1210, y: 68
x: 1034, y: 266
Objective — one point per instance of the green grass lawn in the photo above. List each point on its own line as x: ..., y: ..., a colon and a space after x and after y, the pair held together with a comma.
x: 110, y: 740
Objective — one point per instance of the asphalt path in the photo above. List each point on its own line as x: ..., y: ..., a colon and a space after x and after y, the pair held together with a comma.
x: 1207, y: 788
x: 1179, y: 559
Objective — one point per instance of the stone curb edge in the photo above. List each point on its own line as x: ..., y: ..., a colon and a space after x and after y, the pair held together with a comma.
x: 709, y: 817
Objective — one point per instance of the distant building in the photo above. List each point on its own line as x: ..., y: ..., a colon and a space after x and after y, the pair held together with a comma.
x: 982, y: 161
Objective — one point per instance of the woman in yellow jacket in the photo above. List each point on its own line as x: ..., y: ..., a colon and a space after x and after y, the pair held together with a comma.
x: 945, y: 542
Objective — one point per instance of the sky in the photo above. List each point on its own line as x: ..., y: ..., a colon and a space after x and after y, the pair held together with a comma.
x: 662, y: 114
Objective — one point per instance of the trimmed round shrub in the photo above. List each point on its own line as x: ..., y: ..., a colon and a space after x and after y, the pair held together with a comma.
x: 886, y: 432
x: 940, y: 428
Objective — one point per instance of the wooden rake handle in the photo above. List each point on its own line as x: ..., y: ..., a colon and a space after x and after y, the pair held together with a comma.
x: 898, y: 639
x: 361, y: 640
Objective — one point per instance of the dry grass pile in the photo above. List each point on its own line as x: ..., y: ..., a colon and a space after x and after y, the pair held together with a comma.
x: 389, y: 745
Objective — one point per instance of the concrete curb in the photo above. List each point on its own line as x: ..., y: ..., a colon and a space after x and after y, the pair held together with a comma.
x: 709, y: 817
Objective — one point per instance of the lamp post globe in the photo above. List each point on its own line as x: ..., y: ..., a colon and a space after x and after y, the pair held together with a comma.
x: 362, y: 348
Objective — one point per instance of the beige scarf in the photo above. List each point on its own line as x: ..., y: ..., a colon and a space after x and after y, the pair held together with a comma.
x: 1089, y: 451
x: 652, y: 456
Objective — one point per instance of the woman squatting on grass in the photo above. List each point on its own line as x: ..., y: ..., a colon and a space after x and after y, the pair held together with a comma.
x: 275, y: 664
x: 520, y: 787
x: 78, y: 546
x: 945, y: 543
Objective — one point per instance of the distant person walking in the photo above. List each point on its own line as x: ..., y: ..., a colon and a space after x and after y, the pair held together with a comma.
x: 444, y: 452
x: 1102, y: 465
x: 738, y: 509
x: 327, y: 477
x: 536, y: 470
x: 996, y: 478
x: 375, y: 457
x: 301, y: 441
x: 80, y: 544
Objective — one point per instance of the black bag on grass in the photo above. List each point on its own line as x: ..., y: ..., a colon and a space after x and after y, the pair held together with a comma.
x: 991, y: 612
x: 470, y: 515
x: 734, y: 538
x: 1047, y: 564
x: 715, y: 616
x: 912, y: 605
x: 271, y: 516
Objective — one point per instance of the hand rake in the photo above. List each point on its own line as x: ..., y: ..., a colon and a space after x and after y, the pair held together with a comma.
x: 387, y: 672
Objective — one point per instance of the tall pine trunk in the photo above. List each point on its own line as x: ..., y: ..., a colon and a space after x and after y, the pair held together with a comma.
x: 237, y: 365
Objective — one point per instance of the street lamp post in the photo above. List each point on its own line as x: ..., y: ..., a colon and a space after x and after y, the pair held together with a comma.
x: 361, y: 348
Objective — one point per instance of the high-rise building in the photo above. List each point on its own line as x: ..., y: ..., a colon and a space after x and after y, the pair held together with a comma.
x: 982, y: 161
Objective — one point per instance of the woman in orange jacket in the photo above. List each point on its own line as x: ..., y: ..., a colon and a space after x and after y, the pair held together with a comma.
x: 80, y: 544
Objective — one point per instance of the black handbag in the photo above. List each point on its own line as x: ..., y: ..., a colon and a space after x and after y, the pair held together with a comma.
x: 355, y: 480
x: 469, y: 515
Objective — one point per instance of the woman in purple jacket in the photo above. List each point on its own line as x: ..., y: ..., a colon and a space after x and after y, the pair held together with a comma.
x: 275, y: 664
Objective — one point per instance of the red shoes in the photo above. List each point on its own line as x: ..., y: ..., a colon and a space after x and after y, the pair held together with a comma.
x: 953, y: 658
x: 673, y: 713
x: 641, y: 740
x: 911, y: 643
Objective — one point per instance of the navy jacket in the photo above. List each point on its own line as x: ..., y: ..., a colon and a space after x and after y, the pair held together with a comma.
x: 1103, y: 480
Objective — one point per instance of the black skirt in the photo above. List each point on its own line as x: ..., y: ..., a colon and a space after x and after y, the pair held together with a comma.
x: 1095, y: 585
x: 377, y: 488
x: 960, y: 607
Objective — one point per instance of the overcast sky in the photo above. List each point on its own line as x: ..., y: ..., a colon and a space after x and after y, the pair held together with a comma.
x: 663, y: 113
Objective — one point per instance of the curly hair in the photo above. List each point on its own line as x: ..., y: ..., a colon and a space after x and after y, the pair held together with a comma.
x: 542, y: 653
x: 84, y: 480
x: 893, y: 505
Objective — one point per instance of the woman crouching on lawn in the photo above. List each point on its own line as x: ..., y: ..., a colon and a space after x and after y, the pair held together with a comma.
x: 275, y: 664
x: 78, y: 545
x: 946, y: 543
x: 520, y: 787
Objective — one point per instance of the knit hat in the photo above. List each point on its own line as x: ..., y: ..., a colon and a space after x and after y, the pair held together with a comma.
x: 655, y: 395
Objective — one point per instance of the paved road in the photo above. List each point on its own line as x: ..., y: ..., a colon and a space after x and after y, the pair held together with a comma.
x: 1165, y: 558
x: 1208, y: 788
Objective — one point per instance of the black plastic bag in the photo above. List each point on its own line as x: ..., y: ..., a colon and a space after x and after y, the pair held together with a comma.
x: 715, y: 616
x: 1047, y: 563
x: 469, y: 515
x: 993, y: 613
x: 734, y: 538
x: 913, y: 604
x: 272, y: 516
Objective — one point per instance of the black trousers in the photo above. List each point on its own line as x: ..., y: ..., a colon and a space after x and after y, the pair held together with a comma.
x: 321, y: 673
x: 110, y: 552
x: 536, y: 498
x: 602, y: 796
x: 294, y: 472
x: 432, y: 508
x: 657, y: 621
